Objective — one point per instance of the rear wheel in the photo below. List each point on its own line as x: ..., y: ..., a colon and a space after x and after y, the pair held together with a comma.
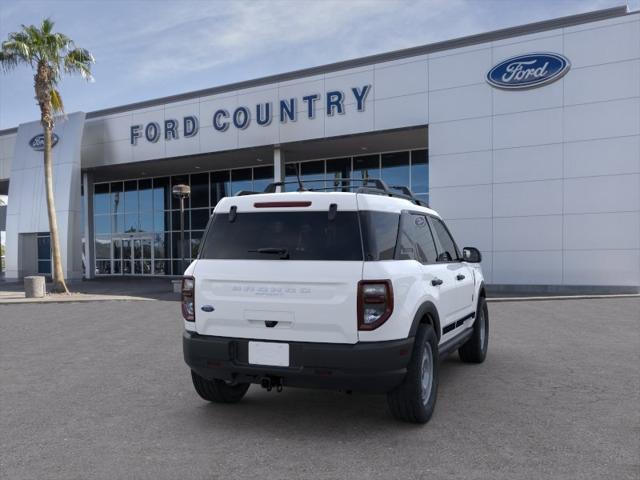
x: 475, y: 349
x: 415, y: 399
x: 218, y: 391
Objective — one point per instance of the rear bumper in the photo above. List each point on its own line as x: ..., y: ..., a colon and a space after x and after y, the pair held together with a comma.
x: 373, y: 367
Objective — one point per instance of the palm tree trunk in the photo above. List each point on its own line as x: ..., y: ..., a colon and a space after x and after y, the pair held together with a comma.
x: 59, y: 284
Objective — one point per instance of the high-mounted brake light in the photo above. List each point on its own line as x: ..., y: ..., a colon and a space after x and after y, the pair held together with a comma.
x: 188, y: 299
x: 281, y: 204
x: 375, y: 303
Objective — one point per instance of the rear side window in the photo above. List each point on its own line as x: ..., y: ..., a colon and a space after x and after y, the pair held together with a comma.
x: 448, y: 250
x: 283, y: 235
x: 379, y: 234
x: 416, y: 241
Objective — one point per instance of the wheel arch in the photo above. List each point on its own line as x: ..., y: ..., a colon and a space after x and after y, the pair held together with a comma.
x: 426, y: 314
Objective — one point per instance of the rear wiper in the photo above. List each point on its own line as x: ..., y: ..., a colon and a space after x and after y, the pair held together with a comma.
x: 283, y: 252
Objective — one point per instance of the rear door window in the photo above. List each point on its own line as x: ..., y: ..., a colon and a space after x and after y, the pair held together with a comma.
x: 380, y: 234
x: 416, y: 241
x: 283, y: 235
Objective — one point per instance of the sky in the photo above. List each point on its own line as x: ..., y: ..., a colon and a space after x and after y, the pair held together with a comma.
x: 153, y: 48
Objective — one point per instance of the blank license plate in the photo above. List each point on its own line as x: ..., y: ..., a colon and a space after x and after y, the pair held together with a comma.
x: 267, y: 353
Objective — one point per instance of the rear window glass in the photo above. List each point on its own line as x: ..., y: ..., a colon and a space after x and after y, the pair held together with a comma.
x: 283, y: 235
x: 380, y: 232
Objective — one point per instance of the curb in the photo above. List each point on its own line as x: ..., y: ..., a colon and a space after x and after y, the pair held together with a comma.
x: 106, y: 298
x: 561, y: 297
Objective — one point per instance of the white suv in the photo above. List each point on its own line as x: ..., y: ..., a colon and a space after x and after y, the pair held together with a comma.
x: 360, y: 290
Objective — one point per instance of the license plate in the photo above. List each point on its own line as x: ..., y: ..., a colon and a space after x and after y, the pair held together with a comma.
x: 268, y: 353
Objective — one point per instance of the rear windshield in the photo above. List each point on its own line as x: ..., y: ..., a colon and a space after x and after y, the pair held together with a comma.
x: 283, y: 235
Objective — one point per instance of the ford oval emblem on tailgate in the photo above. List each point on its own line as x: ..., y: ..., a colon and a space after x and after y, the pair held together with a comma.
x: 207, y: 308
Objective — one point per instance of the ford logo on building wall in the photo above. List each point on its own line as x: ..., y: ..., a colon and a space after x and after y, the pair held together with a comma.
x: 528, y: 71
x: 37, y: 142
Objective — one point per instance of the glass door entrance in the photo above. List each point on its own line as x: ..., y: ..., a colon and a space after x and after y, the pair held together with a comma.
x: 133, y: 256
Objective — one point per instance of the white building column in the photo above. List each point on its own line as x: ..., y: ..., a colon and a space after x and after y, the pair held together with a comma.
x: 87, y: 212
x: 278, y: 166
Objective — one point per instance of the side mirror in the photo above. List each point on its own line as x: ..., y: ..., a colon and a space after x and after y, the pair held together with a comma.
x: 471, y: 255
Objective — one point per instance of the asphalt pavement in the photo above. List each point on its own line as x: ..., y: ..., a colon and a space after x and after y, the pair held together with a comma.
x: 100, y: 391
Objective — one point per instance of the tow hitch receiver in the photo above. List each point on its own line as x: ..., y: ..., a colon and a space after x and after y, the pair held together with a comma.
x: 269, y: 383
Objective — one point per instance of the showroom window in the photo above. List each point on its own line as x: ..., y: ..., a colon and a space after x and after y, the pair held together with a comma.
x: 137, y: 221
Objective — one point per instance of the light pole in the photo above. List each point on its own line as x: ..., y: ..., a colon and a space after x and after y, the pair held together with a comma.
x: 182, y: 192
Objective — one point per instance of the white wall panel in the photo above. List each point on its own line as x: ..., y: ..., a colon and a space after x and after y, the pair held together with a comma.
x: 614, y: 193
x: 602, y: 82
x: 403, y: 79
x: 94, y: 132
x: 344, y: 82
x: 462, y: 202
x: 602, y: 267
x: 506, y: 101
x: 527, y: 198
x: 471, y: 168
x: 598, y: 231
x: 460, y: 136
x: 352, y: 121
x: 549, y: 41
x: 541, y: 162
x: 601, y: 120
x: 117, y: 127
x: 117, y: 152
x: 527, y: 268
x: 407, y: 111
x: 609, y: 156
x: 487, y: 266
x: 255, y: 134
x: 603, y: 45
x: 460, y: 69
x: 527, y: 128
x: 472, y: 232
x: 303, y: 129
x: 212, y: 140
x: 527, y: 233
x: 460, y: 103
x: 299, y: 90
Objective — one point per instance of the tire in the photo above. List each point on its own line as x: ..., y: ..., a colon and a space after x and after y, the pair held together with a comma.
x: 415, y: 399
x: 218, y: 391
x: 475, y: 349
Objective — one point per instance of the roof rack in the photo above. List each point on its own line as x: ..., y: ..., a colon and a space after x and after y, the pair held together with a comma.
x: 372, y: 186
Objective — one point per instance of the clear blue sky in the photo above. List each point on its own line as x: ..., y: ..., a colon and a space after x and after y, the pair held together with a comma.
x: 148, y: 49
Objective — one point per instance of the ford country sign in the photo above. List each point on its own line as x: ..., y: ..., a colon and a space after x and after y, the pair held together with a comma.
x: 528, y: 71
x: 37, y: 142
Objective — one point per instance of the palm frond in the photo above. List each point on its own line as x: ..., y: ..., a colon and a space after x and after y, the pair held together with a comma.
x: 56, y: 101
x: 8, y: 60
x: 79, y: 60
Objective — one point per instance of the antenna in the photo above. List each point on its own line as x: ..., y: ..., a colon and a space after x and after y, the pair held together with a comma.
x: 300, y: 184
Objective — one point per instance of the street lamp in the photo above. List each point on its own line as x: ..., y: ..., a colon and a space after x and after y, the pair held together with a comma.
x: 182, y: 192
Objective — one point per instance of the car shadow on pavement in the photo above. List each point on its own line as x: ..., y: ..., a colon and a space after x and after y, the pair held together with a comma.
x: 301, y: 413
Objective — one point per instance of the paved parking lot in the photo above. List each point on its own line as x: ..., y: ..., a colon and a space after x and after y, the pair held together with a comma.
x: 99, y: 390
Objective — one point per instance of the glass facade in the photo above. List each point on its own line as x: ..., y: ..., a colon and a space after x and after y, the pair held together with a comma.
x: 137, y: 222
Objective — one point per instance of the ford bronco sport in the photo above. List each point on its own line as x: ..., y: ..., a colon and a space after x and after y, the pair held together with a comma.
x: 362, y: 289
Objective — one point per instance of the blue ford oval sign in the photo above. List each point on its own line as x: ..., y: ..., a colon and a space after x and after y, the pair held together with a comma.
x: 37, y: 142
x: 528, y: 71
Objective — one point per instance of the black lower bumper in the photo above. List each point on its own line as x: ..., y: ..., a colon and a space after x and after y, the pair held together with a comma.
x: 373, y: 367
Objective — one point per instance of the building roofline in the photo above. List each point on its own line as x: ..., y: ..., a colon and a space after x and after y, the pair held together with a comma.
x: 459, y: 42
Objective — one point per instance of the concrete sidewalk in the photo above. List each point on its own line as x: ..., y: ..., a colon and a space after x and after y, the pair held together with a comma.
x: 104, y: 289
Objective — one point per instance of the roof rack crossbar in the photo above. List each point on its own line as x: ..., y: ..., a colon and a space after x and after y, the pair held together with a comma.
x: 373, y: 186
x: 271, y: 188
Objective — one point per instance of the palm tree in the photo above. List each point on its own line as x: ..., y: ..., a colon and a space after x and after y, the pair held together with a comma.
x: 50, y: 55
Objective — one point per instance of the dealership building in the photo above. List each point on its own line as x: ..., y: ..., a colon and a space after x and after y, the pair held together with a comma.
x: 526, y: 140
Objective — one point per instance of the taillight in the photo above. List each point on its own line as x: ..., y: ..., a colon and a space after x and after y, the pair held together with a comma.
x: 188, y: 299
x: 375, y: 303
